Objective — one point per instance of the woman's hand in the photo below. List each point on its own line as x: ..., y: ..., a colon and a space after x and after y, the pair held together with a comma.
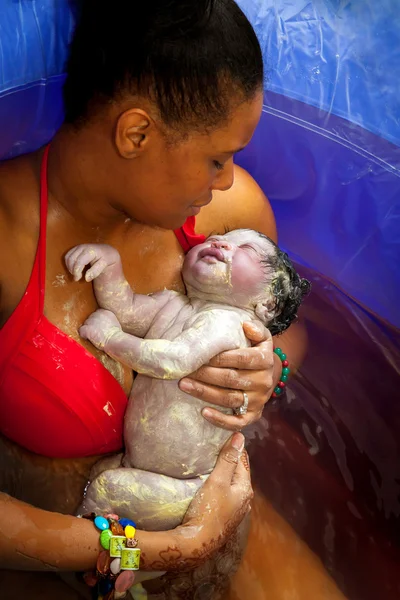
x: 220, y: 505
x: 228, y: 375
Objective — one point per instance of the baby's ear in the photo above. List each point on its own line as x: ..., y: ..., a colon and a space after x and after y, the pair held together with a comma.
x: 266, y: 310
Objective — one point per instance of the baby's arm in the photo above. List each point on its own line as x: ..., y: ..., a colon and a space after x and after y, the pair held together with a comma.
x: 213, y: 332
x: 135, y: 312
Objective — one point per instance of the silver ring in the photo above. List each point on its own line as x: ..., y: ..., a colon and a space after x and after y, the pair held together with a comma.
x: 242, y: 410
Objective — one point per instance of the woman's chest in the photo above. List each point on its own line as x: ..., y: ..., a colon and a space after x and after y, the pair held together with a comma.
x: 152, y: 261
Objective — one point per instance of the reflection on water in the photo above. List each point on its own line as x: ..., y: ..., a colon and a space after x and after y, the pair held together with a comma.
x: 277, y: 564
x: 326, y: 458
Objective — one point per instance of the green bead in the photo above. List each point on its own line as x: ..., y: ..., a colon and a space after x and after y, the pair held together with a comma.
x: 105, y: 537
x: 278, y: 391
x: 285, y: 371
x: 284, y: 378
x: 278, y: 351
x: 283, y: 356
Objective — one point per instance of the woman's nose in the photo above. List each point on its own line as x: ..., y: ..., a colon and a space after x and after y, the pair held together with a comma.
x: 224, y: 179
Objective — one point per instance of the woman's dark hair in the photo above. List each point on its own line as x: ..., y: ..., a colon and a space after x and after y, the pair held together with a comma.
x: 193, y: 58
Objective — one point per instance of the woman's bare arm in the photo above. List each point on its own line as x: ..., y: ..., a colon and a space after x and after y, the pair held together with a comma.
x: 32, y: 539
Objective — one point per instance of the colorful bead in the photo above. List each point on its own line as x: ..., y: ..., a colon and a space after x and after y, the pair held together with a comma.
x: 284, y: 378
x: 283, y: 356
x: 105, y: 537
x: 278, y: 351
x: 114, y: 574
x: 130, y: 531
x: 112, y: 516
x: 281, y: 384
x: 285, y: 363
x: 104, y: 586
x: 101, y: 523
x: 124, y: 581
x: 116, y: 528
x: 273, y: 395
x: 285, y: 371
x: 103, y: 563
x: 115, y: 566
x: 277, y: 391
x: 130, y: 558
x: 117, y: 544
x: 126, y: 522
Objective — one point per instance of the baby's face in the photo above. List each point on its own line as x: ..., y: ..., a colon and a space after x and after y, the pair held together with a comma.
x: 229, y: 267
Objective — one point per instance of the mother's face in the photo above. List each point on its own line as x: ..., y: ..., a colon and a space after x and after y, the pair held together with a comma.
x: 162, y: 183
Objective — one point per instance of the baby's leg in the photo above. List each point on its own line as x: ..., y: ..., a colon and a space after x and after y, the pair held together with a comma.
x: 155, y: 502
x: 106, y: 464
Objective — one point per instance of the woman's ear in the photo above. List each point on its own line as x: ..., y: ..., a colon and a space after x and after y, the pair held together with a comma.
x: 132, y: 133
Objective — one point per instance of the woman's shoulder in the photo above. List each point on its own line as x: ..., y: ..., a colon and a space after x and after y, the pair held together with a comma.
x: 244, y: 205
x: 19, y: 193
x: 19, y: 220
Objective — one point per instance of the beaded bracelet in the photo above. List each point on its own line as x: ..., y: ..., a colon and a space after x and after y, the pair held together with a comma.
x: 114, y: 574
x: 284, y: 375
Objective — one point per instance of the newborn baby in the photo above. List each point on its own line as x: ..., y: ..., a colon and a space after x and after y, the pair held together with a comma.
x: 169, y: 447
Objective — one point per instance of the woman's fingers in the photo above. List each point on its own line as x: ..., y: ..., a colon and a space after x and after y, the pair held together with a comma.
x: 230, y: 422
x: 256, y: 332
x: 241, y: 476
x: 253, y: 359
x: 235, y: 379
x: 228, y: 460
x: 228, y: 398
x: 230, y: 375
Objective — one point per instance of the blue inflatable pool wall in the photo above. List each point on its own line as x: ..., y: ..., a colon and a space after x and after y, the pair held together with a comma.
x: 327, y: 154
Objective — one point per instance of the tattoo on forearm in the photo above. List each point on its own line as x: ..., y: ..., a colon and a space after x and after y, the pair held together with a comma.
x: 210, y: 571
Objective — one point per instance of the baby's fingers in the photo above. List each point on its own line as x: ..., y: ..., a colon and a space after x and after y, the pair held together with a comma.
x: 96, y: 269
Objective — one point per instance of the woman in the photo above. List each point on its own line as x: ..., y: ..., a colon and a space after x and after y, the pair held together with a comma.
x: 158, y: 99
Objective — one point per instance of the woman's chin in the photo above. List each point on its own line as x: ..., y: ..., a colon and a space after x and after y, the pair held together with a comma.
x: 194, y: 210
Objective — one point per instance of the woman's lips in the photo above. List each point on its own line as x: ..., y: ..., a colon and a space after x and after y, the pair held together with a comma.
x: 195, y: 208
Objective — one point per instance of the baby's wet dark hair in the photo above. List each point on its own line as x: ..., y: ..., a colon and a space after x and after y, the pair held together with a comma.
x: 287, y: 287
x: 193, y: 58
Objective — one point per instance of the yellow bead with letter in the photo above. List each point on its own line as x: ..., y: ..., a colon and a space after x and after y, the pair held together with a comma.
x: 117, y: 544
x: 130, y: 559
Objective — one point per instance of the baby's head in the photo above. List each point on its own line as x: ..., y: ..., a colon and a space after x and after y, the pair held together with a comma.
x: 246, y: 269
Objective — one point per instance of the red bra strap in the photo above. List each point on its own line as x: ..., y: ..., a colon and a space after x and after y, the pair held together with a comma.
x: 187, y: 237
x: 43, y: 227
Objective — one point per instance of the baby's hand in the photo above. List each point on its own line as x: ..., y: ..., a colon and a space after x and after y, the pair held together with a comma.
x: 100, y: 327
x: 99, y: 256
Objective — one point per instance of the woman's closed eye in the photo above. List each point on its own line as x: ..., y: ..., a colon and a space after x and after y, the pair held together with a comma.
x: 219, y: 166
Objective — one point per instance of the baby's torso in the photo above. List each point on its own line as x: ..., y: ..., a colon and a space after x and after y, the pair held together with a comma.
x: 164, y: 429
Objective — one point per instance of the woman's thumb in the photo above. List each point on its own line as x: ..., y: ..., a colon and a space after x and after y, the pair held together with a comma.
x: 229, y: 457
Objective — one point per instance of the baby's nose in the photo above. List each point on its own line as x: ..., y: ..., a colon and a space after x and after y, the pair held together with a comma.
x: 221, y: 244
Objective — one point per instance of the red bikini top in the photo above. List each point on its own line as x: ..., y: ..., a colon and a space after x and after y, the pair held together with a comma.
x: 56, y: 399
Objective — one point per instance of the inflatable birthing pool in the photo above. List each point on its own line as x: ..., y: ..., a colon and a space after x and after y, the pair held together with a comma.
x: 325, y: 457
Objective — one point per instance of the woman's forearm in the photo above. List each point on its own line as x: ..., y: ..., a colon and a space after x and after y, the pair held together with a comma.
x: 32, y: 539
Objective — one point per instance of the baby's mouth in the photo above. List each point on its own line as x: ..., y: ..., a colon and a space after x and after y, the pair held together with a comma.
x: 212, y: 255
